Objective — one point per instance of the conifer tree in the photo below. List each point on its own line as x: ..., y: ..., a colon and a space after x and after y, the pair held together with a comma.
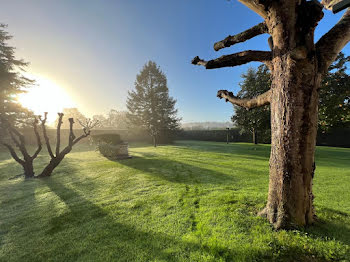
x: 149, y: 105
x: 12, y: 83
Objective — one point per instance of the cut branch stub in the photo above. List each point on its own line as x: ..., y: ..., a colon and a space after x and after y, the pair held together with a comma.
x: 260, y: 100
x: 257, y: 6
x: 47, y: 141
x: 58, y: 140
x: 71, y: 132
x: 234, y: 59
x: 38, y: 139
x: 241, y: 37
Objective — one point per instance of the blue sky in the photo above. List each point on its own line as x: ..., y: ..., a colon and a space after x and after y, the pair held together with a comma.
x: 94, y: 49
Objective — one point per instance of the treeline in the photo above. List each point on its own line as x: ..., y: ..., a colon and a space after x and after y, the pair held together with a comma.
x: 339, y: 137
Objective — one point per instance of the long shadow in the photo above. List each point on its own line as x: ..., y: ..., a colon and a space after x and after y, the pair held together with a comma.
x: 251, y: 151
x: 17, y: 198
x: 332, y: 226
x: 126, y: 242
x: 97, y: 234
x: 129, y: 243
x: 176, y: 172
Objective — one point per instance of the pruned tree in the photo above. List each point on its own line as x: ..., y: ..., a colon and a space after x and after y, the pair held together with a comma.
x: 18, y: 140
x: 297, y: 66
x: 59, y: 154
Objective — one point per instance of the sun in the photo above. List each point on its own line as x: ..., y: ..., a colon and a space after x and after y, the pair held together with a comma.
x: 45, y: 96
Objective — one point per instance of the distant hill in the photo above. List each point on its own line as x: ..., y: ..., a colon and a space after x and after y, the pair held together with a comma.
x: 206, y: 125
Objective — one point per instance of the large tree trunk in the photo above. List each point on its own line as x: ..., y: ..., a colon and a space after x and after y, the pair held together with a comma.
x: 294, y: 110
x: 294, y: 128
x: 297, y: 65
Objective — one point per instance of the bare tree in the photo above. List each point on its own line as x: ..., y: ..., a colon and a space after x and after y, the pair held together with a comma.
x: 72, y: 140
x: 18, y: 140
x: 297, y: 65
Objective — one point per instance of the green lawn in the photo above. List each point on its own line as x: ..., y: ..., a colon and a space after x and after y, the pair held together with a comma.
x: 192, y: 201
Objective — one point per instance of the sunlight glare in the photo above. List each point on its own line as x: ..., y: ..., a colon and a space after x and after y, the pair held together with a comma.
x: 45, y: 96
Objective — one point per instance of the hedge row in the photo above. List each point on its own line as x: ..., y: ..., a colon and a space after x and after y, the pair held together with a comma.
x: 337, y: 137
x: 234, y: 135
x: 125, y: 135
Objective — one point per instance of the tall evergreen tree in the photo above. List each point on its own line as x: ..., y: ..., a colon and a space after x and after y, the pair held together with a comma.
x: 12, y: 82
x: 255, y: 121
x: 149, y: 105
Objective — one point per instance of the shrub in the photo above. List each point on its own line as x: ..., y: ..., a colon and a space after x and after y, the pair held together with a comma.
x: 110, y: 139
x: 108, y: 150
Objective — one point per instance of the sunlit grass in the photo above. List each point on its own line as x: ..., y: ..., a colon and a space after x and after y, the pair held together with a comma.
x: 192, y: 201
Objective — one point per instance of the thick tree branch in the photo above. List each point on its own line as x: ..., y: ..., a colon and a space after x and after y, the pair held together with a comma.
x: 71, y: 133
x: 257, y: 6
x: 47, y: 141
x: 58, y: 140
x: 330, y: 45
x: 241, y: 37
x: 13, y: 153
x: 21, y: 143
x: 86, y: 134
x: 260, y: 100
x: 38, y: 140
x: 234, y: 59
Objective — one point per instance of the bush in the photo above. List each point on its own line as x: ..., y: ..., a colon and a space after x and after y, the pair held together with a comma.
x: 111, y: 139
x: 108, y: 150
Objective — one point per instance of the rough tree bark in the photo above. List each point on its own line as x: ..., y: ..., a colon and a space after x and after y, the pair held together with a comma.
x: 297, y: 65
x: 72, y: 140
x: 18, y: 140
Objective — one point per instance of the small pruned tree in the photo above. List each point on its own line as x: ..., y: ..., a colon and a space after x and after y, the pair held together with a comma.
x: 18, y: 140
x: 59, y: 155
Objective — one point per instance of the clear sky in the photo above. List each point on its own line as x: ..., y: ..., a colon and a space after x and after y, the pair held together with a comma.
x: 93, y: 49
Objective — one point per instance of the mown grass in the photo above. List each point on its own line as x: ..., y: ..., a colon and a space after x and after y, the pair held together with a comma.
x: 192, y: 201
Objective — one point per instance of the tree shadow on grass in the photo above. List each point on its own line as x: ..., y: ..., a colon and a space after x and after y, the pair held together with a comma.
x: 334, y: 224
x: 17, y: 198
x: 250, y: 151
x: 98, y: 231
x: 176, y: 172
